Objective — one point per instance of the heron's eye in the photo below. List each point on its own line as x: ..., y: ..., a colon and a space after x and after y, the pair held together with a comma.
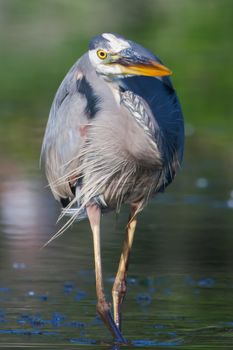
x: 102, y: 54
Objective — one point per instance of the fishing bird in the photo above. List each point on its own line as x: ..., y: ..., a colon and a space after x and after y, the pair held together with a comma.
x: 114, y: 135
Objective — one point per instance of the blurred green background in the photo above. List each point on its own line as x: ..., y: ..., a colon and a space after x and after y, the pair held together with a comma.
x: 40, y: 40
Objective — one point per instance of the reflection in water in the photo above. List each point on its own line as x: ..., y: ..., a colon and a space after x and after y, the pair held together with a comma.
x: 23, y: 219
x: 19, y: 207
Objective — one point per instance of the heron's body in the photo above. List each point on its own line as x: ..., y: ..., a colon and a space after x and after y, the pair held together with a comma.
x: 110, y: 134
x: 121, y: 155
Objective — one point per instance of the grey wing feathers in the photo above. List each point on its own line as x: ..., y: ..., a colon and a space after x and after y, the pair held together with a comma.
x: 62, y: 138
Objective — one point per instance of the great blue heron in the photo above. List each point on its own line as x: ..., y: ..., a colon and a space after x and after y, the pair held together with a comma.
x: 115, y: 135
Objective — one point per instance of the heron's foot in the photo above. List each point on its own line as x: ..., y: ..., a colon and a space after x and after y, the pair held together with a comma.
x: 118, y: 294
x: 106, y: 316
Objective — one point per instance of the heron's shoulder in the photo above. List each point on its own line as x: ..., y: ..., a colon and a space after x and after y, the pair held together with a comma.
x: 68, y: 84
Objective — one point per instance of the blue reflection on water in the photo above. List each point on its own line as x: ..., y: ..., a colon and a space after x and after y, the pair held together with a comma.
x: 27, y: 332
x: 145, y: 343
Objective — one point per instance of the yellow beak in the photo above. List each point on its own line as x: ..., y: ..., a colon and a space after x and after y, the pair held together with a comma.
x: 150, y: 68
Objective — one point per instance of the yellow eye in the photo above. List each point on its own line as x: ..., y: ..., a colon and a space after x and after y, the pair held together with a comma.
x: 102, y: 54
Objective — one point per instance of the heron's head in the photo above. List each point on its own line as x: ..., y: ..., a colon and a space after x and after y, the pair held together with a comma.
x: 115, y: 57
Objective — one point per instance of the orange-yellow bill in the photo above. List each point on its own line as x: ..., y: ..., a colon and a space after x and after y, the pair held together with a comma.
x: 152, y: 68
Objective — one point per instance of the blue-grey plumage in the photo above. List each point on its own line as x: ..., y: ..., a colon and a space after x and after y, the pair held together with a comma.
x: 164, y: 104
x: 115, y: 135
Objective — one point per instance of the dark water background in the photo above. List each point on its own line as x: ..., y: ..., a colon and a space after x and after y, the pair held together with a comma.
x: 180, y: 286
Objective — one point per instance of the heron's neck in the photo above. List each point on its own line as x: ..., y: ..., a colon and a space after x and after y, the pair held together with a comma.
x: 116, y: 91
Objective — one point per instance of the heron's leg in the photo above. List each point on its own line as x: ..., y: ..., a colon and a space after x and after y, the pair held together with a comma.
x: 119, y: 286
x: 103, y: 309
